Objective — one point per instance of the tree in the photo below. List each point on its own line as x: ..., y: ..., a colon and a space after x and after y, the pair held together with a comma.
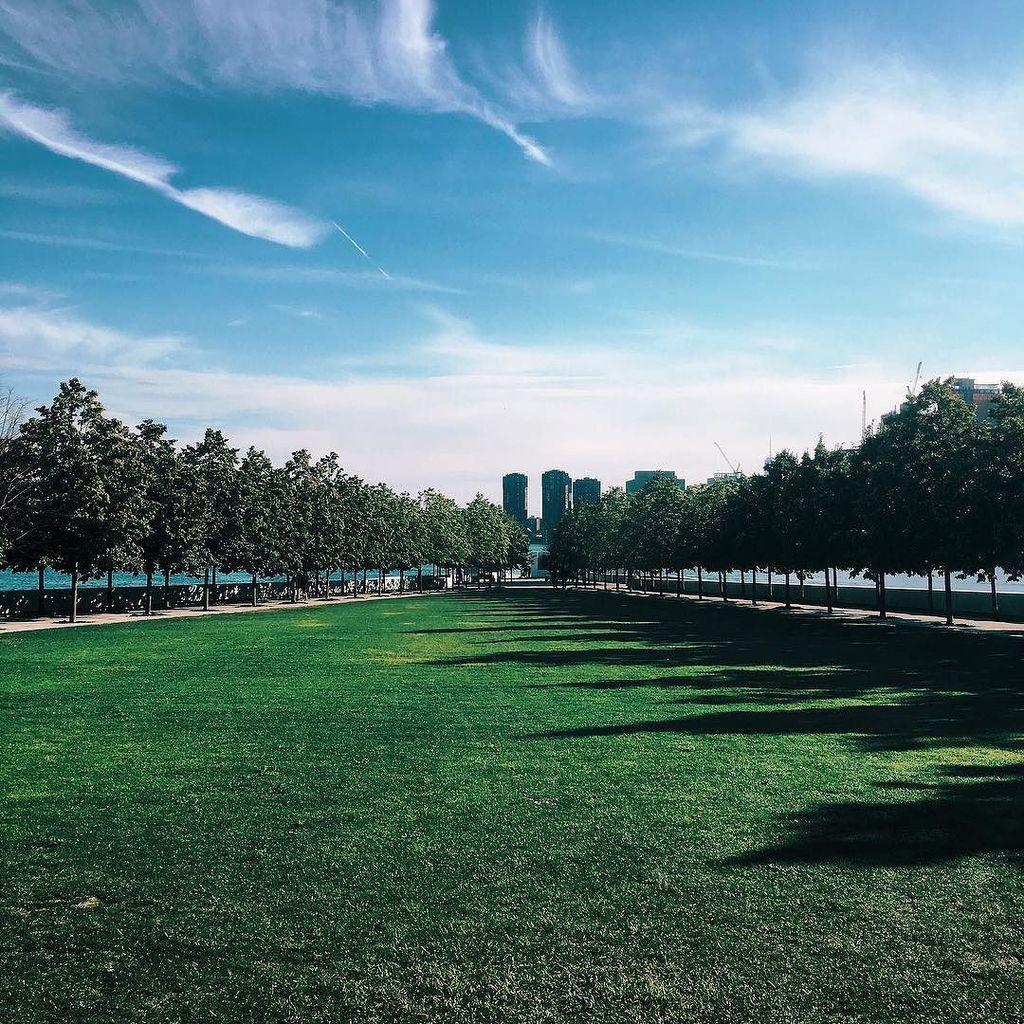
x: 517, y: 546
x: 171, y: 541
x: 920, y: 476
x: 823, y: 522
x: 444, y: 531
x: 485, y: 535
x: 262, y: 525
x: 15, y: 473
x: 209, y: 467
x: 997, y: 513
x: 89, y: 469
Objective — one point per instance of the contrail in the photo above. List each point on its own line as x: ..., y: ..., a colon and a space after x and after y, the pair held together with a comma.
x: 381, y: 270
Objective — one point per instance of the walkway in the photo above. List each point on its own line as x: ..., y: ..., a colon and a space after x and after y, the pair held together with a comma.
x: 10, y: 626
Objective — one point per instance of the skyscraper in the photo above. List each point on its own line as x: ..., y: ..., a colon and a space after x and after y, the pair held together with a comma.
x: 642, y: 477
x: 513, y: 496
x: 586, y: 491
x: 556, y: 496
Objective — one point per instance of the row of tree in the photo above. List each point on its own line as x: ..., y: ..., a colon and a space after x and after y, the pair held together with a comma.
x: 934, y: 491
x: 85, y: 494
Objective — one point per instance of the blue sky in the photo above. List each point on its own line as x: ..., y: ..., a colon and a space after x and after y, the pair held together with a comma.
x: 598, y: 236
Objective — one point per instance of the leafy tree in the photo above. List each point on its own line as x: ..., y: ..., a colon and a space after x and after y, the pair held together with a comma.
x: 997, y: 512
x: 209, y: 467
x: 89, y: 468
x: 171, y: 541
x: 444, y: 535
x: 15, y: 473
x: 485, y: 535
x: 259, y: 534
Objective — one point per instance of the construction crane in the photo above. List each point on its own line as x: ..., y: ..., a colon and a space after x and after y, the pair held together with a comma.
x: 735, y: 469
x: 917, y: 379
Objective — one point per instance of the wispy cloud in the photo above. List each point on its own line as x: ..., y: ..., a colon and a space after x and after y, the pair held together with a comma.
x: 27, y: 292
x: 389, y: 53
x: 552, y: 70
x: 33, y: 338
x: 957, y: 146
x: 86, y: 242
x: 297, y: 311
x: 328, y: 275
x: 54, y: 195
x: 249, y: 214
x: 465, y: 400
x: 685, y: 252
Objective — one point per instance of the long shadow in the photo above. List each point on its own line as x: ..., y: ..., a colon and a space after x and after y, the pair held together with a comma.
x: 920, y: 721
x: 954, y: 819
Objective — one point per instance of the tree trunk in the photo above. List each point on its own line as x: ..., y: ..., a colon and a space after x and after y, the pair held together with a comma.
x: 206, y: 589
x: 771, y: 590
x: 213, y: 585
x: 948, y: 583
x: 700, y: 583
x: 803, y: 591
x: 41, y: 592
x: 255, y: 590
x: 828, y: 593
x: 149, y: 590
x: 721, y: 578
x: 110, y: 591
x: 419, y: 579
x: 882, y: 610
x: 753, y: 584
x: 995, y: 595
x: 931, y: 591
x: 167, y: 588
x: 73, y: 615
x: 788, y: 602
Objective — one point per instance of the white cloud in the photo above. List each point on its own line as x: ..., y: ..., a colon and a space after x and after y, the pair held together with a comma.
x: 389, y: 53
x: 459, y: 410
x: 297, y: 311
x: 551, y: 65
x: 38, y: 339
x: 330, y: 275
x: 956, y: 146
x: 251, y: 215
x: 694, y: 253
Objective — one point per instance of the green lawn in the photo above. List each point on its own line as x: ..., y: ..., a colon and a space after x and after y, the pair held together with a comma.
x: 517, y: 807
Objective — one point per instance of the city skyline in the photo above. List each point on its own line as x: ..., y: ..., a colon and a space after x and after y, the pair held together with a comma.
x: 449, y: 214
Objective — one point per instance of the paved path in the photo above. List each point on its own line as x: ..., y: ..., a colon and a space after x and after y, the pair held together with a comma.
x: 106, y: 618
x: 839, y: 615
x: 763, y: 606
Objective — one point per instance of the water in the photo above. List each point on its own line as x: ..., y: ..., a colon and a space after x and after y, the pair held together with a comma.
x: 54, y: 580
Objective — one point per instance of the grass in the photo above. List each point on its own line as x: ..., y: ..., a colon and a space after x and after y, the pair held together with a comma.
x: 518, y: 807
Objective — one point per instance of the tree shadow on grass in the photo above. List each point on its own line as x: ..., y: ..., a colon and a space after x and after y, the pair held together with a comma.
x: 972, y: 811
x: 929, y: 719
x: 883, y: 688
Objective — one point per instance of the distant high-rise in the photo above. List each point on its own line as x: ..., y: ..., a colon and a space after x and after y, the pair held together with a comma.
x: 586, y: 491
x: 556, y: 495
x: 978, y: 396
x: 513, y: 496
x: 642, y: 477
